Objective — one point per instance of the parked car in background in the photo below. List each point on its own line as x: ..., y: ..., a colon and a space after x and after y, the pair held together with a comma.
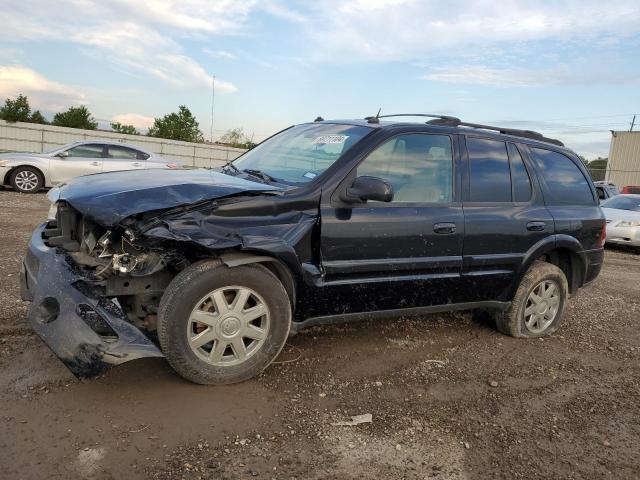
x: 634, y: 189
x: 606, y: 190
x: 29, y: 172
x: 323, y: 221
x: 623, y: 219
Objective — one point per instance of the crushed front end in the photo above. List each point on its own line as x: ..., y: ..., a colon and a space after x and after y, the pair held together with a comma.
x: 93, y: 292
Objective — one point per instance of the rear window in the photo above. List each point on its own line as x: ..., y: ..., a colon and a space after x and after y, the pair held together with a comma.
x: 563, y: 182
x: 489, y: 171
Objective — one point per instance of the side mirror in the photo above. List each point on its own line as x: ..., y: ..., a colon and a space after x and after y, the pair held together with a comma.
x: 367, y: 188
x: 64, y: 154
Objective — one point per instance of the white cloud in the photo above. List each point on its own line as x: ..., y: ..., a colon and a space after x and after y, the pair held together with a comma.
x: 507, y: 77
x: 400, y: 30
x: 43, y: 93
x: 139, y: 121
x: 219, y: 54
x: 131, y: 35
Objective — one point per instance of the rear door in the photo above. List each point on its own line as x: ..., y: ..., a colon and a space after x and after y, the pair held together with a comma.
x: 120, y: 157
x: 79, y: 160
x: 504, y: 216
x: 406, y: 253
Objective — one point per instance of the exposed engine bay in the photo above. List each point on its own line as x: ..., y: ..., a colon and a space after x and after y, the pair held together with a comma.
x: 115, y: 265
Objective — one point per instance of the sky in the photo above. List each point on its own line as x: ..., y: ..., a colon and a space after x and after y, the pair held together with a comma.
x: 569, y: 69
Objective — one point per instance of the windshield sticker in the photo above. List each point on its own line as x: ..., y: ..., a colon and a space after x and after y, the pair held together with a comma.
x: 310, y: 175
x: 325, y: 139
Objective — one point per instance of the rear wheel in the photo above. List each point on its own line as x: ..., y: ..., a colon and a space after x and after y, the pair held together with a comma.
x: 220, y: 325
x: 538, y: 305
x: 26, y: 180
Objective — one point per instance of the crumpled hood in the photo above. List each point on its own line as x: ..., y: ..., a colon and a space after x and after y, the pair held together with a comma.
x: 108, y: 198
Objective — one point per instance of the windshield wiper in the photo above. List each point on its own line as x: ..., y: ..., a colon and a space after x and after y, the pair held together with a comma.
x: 231, y: 165
x: 260, y: 174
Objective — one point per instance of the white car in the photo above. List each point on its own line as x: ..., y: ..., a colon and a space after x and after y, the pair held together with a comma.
x: 623, y: 219
x: 29, y: 172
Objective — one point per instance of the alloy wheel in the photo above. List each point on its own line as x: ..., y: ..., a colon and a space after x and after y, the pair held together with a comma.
x: 26, y: 180
x: 542, y: 306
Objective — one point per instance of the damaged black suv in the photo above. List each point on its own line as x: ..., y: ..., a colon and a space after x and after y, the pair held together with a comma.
x: 213, y: 269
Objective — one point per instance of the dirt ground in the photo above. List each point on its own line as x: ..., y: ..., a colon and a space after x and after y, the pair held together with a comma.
x: 450, y: 398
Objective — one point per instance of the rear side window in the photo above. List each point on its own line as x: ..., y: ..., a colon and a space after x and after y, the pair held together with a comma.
x: 123, y: 153
x: 489, y: 171
x: 563, y: 181
x: 519, y: 176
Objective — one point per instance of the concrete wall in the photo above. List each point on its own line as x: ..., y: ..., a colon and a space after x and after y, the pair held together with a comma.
x: 623, y: 167
x: 31, y: 137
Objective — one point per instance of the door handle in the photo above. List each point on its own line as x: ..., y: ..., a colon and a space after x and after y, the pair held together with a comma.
x: 536, y: 226
x: 444, y: 228
x: 136, y: 164
x: 95, y: 164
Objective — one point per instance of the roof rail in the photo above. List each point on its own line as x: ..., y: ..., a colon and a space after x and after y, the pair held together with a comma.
x: 506, y: 131
x: 449, y: 121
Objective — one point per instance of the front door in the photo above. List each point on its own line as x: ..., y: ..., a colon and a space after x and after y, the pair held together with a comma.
x: 79, y: 160
x: 405, y: 253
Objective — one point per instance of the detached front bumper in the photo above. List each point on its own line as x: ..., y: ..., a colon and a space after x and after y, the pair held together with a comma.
x: 87, y: 332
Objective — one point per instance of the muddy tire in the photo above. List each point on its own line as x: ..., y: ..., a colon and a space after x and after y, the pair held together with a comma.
x: 26, y: 180
x: 538, y: 305
x: 219, y: 325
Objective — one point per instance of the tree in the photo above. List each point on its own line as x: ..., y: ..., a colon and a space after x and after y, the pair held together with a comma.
x: 17, y: 110
x: 598, y: 168
x: 37, y: 117
x: 180, y: 125
x: 236, y: 138
x: 75, y: 117
x: 121, y: 128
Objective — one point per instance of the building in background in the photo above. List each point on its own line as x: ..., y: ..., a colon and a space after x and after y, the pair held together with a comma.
x: 623, y: 167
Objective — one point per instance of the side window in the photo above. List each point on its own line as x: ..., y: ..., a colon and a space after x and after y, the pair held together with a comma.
x: 564, y: 182
x: 86, y: 151
x: 123, y: 153
x: 490, y: 179
x: 520, y: 180
x: 418, y: 166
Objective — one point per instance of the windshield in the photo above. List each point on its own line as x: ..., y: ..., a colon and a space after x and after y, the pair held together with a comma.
x: 623, y: 203
x: 301, y: 153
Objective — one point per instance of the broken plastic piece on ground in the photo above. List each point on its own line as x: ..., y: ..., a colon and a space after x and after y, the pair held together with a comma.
x: 355, y: 420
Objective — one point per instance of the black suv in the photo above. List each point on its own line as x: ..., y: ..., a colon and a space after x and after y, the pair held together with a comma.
x: 213, y: 269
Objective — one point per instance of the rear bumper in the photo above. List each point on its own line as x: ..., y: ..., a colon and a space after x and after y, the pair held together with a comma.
x: 87, y: 332
x: 594, y: 260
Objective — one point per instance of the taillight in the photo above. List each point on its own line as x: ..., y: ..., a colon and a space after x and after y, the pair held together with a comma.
x: 603, y: 234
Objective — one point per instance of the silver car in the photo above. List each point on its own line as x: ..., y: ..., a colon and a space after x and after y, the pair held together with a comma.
x: 623, y: 219
x: 29, y: 172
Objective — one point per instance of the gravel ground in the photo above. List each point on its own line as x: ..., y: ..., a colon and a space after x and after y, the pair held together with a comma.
x: 449, y: 397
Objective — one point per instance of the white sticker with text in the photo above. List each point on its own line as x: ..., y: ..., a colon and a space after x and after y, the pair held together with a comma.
x: 325, y: 139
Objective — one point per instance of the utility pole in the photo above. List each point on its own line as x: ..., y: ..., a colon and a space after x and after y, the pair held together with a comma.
x: 633, y: 122
x: 213, y: 98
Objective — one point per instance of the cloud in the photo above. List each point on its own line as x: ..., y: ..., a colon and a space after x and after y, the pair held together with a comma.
x: 43, y: 93
x: 219, y: 54
x: 401, y: 30
x: 139, y: 121
x: 132, y: 36
x: 509, y: 77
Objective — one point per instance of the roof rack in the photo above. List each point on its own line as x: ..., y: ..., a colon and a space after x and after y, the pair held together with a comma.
x: 449, y: 121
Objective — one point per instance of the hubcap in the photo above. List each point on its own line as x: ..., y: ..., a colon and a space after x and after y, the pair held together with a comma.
x: 228, y: 325
x: 26, y: 180
x: 542, y: 306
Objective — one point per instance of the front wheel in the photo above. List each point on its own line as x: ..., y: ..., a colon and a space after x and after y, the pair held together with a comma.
x: 26, y: 180
x: 219, y: 325
x: 538, y: 305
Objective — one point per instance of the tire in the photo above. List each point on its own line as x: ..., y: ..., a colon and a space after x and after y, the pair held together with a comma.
x: 26, y: 180
x: 200, y: 293
x: 516, y: 322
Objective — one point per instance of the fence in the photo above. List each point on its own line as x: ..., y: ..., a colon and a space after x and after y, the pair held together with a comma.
x: 623, y: 167
x: 32, y: 137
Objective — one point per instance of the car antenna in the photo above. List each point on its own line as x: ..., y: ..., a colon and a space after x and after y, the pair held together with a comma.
x: 375, y: 119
